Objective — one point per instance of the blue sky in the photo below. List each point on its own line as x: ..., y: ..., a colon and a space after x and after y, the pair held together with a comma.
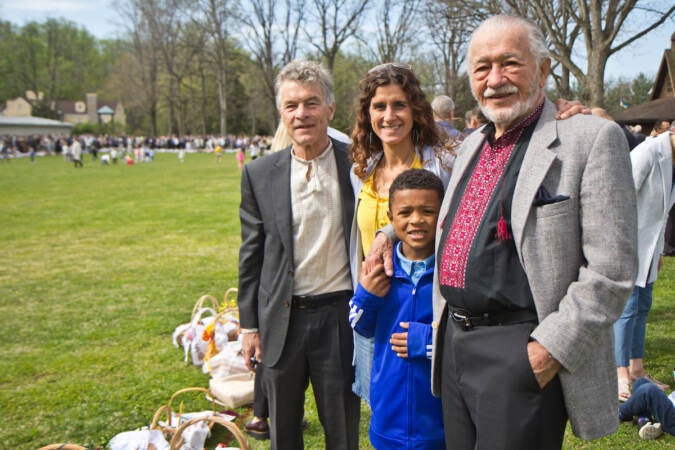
x: 100, y: 18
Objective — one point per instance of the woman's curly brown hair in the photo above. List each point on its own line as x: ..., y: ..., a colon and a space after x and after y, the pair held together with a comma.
x: 365, y: 143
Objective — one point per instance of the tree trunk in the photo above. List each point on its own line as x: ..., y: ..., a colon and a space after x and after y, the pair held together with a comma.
x: 595, y: 82
x: 222, y: 103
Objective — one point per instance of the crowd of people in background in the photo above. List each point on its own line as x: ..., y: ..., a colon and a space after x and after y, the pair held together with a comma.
x: 139, y: 148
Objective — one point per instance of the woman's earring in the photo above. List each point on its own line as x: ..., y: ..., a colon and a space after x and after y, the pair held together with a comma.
x: 415, y: 136
x: 370, y: 139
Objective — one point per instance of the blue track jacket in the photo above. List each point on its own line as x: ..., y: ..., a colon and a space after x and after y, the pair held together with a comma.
x: 405, y: 415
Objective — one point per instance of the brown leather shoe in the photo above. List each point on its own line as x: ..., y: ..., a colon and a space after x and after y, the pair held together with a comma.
x: 258, y: 430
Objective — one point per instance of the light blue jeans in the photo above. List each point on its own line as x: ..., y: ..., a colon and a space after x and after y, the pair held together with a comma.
x: 364, y: 348
x: 630, y: 329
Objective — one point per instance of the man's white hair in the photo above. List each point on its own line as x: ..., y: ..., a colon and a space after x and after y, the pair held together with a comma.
x: 304, y: 71
x: 500, y: 23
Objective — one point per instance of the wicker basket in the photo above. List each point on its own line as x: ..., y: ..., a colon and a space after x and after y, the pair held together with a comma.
x: 177, y: 440
x: 200, y: 304
x: 170, y: 429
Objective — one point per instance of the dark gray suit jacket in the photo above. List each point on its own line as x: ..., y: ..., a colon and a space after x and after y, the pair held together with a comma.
x: 266, y: 267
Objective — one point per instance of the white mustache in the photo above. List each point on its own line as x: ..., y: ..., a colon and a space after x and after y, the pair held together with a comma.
x: 504, y: 90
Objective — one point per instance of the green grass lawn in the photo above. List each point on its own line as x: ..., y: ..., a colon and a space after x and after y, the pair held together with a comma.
x: 97, y: 267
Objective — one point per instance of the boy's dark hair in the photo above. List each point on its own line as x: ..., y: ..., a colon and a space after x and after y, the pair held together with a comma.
x: 416, y: 179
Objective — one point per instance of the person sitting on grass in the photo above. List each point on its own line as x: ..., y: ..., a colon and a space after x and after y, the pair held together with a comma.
x: 397, y: 312
x: 654, y: 410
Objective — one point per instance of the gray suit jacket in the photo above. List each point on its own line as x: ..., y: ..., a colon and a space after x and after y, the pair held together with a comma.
x: 579, y: 255
x: 266, y: 267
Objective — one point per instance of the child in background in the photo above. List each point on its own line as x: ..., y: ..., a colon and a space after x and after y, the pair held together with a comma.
x: 398, y: 313
x: 240, y: 158
x: 653, y: 408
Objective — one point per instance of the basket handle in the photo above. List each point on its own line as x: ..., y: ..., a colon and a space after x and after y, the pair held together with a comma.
x: 167, y: 408
x: 177, y: 439
x: 231, y: 290
x: 200, y: 303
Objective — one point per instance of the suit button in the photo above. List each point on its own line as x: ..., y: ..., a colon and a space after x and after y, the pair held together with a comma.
x: 285, y: 303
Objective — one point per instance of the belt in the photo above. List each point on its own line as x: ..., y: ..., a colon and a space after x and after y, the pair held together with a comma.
x: 491, y: 319
x: 315, y: 301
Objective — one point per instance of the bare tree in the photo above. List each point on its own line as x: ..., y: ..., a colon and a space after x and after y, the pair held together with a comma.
x: 395, y: 28
x: 602, y: 23
x: 264, y: 34
x: 178, y: 43
x: 338, y: 20
x: 450, y: 24
x: 215, y: 19
x: 144, y: 46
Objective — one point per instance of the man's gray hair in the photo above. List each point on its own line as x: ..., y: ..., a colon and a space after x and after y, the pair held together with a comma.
x: 443, y: 106
x: 500, y: 22
x: 304, y: 71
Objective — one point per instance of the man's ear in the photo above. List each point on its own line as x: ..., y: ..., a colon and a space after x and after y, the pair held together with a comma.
x: 390, y: 215
x: 544, y: 71
x: 332, y: 112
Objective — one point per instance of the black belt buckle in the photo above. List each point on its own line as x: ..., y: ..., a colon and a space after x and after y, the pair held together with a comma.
x: 464, y: 317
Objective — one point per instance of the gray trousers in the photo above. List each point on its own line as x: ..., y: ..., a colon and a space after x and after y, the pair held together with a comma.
x: 491, y: 399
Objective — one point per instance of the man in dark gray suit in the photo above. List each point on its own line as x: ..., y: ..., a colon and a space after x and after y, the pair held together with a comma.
x: 294, y: 279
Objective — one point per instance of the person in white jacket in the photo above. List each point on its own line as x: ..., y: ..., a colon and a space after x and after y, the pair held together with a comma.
x: 652, y: 163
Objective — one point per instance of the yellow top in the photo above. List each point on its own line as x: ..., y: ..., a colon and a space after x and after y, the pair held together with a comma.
x: 371, y: 214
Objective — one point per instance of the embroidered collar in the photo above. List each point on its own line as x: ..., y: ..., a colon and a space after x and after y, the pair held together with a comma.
x: 511, y: 135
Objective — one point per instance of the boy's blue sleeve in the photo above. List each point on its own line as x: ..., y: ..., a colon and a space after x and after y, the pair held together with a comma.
x: 419, y: 340
x: 363, y: 311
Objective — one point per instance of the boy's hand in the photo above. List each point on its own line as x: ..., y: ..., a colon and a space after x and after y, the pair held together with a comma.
x: 399, y: 341
x: 375, y: 280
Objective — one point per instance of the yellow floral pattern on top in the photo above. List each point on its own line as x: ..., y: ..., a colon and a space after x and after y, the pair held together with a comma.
x: 370, y: 201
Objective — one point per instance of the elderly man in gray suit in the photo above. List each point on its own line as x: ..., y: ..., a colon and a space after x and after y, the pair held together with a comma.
x: 294, y: 278
x: 536, y: 256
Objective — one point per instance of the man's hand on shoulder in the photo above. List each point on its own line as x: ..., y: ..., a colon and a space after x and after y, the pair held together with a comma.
x: 569, y: 108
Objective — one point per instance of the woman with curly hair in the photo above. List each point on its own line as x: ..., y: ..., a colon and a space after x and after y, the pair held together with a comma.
x: 394, y: 131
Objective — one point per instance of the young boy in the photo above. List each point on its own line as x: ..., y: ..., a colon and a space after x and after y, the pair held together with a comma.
x: 398, y: 313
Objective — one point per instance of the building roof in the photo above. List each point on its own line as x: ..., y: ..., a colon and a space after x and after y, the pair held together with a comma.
x: 650, y: 112
x: 68, y: 107
x: 22, y: 126
x: 662, y: 103
x: 105, y: 110
x: 665, y: 77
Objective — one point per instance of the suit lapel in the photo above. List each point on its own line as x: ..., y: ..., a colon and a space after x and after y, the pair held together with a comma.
x: 346, y: 192
x: 536, y: 163
x: 280, y: 196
